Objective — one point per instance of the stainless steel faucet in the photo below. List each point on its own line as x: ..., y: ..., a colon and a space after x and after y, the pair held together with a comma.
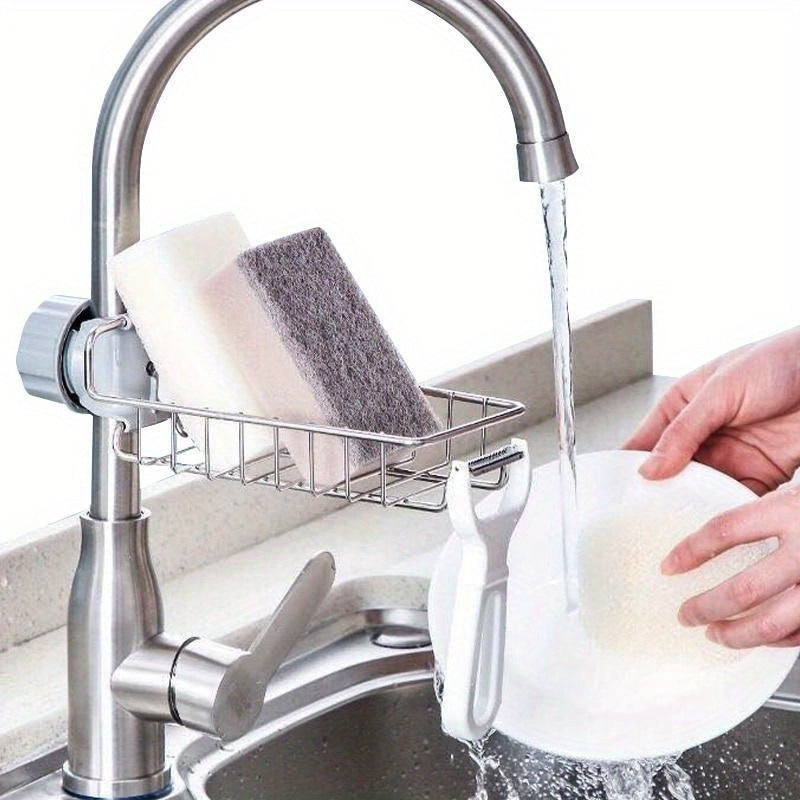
x: 126, y: 677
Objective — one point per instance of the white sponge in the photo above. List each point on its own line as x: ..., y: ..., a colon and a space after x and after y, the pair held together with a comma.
x: 160, y: 281
x: 628, y: 606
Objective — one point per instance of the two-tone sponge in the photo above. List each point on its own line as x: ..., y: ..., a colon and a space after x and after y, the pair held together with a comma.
x: 282, y: 331
x: 312, y: 350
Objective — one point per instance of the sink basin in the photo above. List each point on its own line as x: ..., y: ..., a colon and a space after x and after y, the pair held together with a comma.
x: 368, y: 726
x: 389, y: 745
x: 354, y: 716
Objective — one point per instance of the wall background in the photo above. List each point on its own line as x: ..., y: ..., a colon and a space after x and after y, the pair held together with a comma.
x: 377, y: 121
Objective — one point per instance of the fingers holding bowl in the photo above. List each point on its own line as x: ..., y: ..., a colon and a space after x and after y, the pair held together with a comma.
x: 771, y: 576
x: 752, y: 522
x: 761, y: 604
x: 691, y: 409
x: 774, y: 623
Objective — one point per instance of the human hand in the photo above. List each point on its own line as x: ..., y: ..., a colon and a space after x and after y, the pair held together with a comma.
x: 739, y: 414
x: 766, y: 594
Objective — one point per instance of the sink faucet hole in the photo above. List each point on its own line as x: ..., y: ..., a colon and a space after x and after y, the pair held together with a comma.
x: 401, y: 637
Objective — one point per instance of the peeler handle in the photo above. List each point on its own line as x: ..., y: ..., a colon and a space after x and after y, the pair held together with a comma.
x: 474, y: 667
x: 473, y: 683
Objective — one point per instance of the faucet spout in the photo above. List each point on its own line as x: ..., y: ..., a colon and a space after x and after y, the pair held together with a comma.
x: 544, y: 152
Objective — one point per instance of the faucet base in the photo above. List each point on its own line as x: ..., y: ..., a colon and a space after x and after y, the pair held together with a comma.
x: 150, y: 786
x: 114, y: 608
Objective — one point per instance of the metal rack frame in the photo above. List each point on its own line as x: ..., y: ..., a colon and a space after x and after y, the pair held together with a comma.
x: 404, y: 482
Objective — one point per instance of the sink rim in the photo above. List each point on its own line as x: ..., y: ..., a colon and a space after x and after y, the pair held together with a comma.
x: 340, y: 647
x: 346, y: 668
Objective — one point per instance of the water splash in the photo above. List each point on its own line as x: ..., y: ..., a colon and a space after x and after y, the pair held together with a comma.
x: 554, y: 208
x: 535, y: 775
x: 629, y: 780
x: 636, y: 779
x: 508, y: 770
x: 486, y: 765
x: 678, y: 781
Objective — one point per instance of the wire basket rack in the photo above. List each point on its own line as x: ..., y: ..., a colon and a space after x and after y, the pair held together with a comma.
x: 410, y: 472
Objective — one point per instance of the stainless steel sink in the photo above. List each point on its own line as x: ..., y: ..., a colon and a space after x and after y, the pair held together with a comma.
x: 354, y: 716
x: 363, y: 722
x: 388, y: 745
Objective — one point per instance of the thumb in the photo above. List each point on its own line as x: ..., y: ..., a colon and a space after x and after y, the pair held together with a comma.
x: 706, y: 413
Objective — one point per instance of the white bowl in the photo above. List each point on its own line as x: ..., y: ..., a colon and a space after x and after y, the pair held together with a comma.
x: 606, y: 694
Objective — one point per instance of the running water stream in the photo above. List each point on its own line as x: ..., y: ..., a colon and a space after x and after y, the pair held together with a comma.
x: 554, y: 208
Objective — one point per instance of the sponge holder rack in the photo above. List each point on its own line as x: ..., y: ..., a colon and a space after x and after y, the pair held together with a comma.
x: 99, y: 365
x: 410, y: 472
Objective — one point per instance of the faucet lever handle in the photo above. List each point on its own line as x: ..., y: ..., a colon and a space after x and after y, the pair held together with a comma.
x: 229, y: 683
x: 290, y: 619
x: 212, y: 687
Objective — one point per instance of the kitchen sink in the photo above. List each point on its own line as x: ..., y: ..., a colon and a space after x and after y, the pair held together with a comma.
x: 354, y: 716
x: 370, y: 728
x: 389, y: 745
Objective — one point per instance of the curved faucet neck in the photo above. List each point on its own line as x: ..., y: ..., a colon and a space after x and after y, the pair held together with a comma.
x: 543, y: 145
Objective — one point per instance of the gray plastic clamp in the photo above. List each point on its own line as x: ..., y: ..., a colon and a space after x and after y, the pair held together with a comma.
x: 51, y: 363
x: 121, y: 369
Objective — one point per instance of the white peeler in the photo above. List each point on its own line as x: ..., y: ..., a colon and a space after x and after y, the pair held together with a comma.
x: 473, y: 683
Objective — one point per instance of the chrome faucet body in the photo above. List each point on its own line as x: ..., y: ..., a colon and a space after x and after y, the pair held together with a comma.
x: 127, y: 678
